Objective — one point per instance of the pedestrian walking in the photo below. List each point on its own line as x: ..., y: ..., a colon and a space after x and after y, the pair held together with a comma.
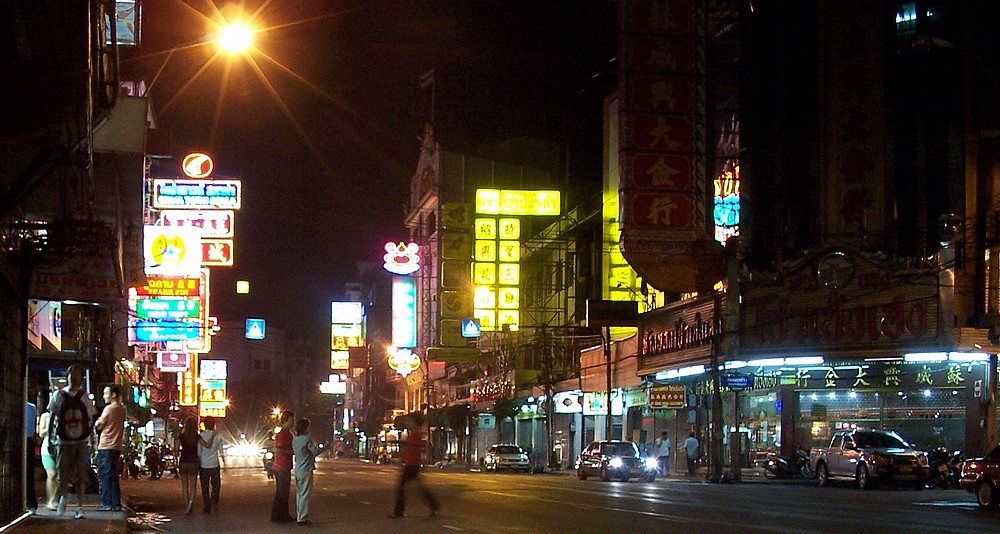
x: 282, y: 470
x: 30, y: 414
x: 691, y: 450
x: 111, y: 426
x: 188, y: 463
x: 663, y: 448
x: 410, y: 457
x: 48, y: 462
x: 70, y: 435
x: 305, y: 462
x: 210, y: 471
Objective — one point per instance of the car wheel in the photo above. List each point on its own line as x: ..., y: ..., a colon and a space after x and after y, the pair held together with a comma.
x: 986, y: 495
x: 823, y: 474
x: 605, y: 475
x: 863, y: 478
x: 580, y: 474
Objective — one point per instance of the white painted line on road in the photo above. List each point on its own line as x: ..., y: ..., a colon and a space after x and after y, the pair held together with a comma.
x: 365, y: 502
x: 948, y: 504
x: 451, y: 527
x: 598, y: 507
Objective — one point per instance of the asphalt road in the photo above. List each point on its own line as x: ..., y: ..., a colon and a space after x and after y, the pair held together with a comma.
x: 350, y: 496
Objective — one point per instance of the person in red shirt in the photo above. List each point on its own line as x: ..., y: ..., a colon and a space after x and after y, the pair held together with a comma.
x: 283, y: 470
x: 410, y: 456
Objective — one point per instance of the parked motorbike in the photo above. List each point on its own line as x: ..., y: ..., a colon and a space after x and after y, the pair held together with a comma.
x: 132, y: 467
x: 796, y: 466
x: 154, y: 465
x: 944, y: 468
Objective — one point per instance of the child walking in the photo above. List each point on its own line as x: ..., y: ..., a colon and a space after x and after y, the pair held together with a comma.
x: 305, y: 452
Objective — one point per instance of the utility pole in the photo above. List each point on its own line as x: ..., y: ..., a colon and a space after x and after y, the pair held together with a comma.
x: 607, y: 355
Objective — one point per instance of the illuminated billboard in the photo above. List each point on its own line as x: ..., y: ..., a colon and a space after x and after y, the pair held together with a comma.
x: 187, y: 384
x: 171, y: 251
x: 401, y: 259
x: 197, y: 194
x: 346, y: 313
x: 404, y: 312
x: 212, y: 223
x: 727, y: 203
x: 518, y: 202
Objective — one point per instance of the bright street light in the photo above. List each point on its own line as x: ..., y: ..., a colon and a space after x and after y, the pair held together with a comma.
x: 235, y: 38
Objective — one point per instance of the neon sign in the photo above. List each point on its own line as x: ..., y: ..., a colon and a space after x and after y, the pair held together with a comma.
x: 197, y: 165
x: 727, y: 203
x: 401, y: 259
x: 403, y: 361
x: 404, y: 312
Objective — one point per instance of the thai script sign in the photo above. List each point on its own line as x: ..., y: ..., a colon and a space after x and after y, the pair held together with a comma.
x: 213, y: 223
x: 197, y: 194
x: 679, y: 332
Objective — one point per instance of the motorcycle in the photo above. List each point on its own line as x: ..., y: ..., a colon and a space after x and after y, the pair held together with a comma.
x: 154, y: 466
x: 944, y: 469
x: 132, y: 467
x: 797, y: 466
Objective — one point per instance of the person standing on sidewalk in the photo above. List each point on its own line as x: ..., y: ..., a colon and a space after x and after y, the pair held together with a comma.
x: 283, y: 470
x: 210, y: 471
x: 410, y: 457
x: 691, y: 450
x: 663, y: 448
x: 30, y: 416
x: 305, y: 462
x: 70, y: 436
x: 111, y: 426
x: 48, y: 462
x: 188, y: 463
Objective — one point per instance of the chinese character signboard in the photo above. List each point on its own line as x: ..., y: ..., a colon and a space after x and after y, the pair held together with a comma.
x: 672, y: 396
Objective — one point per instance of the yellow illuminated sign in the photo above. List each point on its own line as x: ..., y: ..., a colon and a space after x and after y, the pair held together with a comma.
x: 509, y: 297
x: 340, y: 359
x: 510, y: 229
x: 510, y: 274
x: 509, y: 317
x: 188, y: 385
x: 518, y: 202
x: 510, y: 251
x: 485, y: 297
x: 484, y: 274
x: 486, y: 229
x: 486, y: 250
x: 487, y: 319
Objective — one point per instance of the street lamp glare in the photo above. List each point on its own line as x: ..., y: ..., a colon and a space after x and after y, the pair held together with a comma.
x: 235, y: 38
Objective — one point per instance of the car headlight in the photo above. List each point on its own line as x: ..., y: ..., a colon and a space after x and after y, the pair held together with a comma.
x: 651, y: 463
x: 524, y: 457
x: 268, y: 455
x: 616, y: 462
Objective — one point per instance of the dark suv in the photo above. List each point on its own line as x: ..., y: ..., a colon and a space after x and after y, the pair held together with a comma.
x: 615, y: 459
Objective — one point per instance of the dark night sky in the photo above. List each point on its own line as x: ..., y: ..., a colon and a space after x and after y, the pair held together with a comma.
x: 503, y: 69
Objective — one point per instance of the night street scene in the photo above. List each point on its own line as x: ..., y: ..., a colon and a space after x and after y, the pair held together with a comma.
x: 499, y: 266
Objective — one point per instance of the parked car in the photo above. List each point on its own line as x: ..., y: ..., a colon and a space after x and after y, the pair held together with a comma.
x: 981, y: 476
x: 868, y: 457
x: 506, y: 456
x: 615, y: 459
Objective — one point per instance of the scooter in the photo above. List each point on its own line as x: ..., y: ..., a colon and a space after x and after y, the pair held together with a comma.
x: 782, y: 467
x: 153, y: 464
x: 943, y: 468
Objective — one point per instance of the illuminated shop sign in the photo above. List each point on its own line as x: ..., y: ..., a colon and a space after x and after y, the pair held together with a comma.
x: 167, y: 308
x: 213, y: 223
x: 187, y: 384
x: 197, y: 194
x: 596, y: 403
x: 672, y: 396
x: 404, y: 312
x: 213, y: 370
x: 204, y: 341
x: 567, y: 402
x: 517, y: 202
x: 197, y: 165
x: 346, y: 313
x: 173, y: 361
x: 403, y: 361
x: 216, y: 252
x: 212, y: 390
x: 340, y: 359
x: 171, y: 251
x: 336, y: 384
x: 727, y: 203
x: 168, y: 286
x: 160, y: 331
x: 401, y: 259
x: 212, y: 409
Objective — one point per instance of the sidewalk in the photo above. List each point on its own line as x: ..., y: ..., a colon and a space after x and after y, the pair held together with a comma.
x: 94, y: 522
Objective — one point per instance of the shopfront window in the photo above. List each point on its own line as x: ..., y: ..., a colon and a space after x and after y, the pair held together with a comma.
x: 926, y: 418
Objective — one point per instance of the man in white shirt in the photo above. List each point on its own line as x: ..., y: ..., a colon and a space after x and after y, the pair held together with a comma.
x: 209, y: 471
x: 663, y: 454
x: 691, y: 449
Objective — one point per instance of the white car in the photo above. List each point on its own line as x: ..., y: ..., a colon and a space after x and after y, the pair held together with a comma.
x: 506, y: 456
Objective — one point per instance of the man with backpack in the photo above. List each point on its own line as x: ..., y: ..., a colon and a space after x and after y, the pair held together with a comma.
x: 70, y: 428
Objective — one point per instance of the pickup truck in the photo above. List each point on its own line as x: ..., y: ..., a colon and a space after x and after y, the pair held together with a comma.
x: 868, y: 457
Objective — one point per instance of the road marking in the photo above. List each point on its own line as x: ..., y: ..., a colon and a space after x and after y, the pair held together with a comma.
x: 451, y: 527
x: 598, y: 507
x: 948, y: 504
x: 365, y: 502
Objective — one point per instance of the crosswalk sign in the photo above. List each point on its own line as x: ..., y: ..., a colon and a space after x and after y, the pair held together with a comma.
x: 255, y: 329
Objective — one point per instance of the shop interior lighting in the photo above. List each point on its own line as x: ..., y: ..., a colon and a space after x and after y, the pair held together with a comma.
x: 968, y: 357
x: 735, y: 364
x: 832, y: 395
x: 683, y: 371
x: 853, y: 394
x: 814, y: 396
x: 927, y: 393
x: 925, y: 357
